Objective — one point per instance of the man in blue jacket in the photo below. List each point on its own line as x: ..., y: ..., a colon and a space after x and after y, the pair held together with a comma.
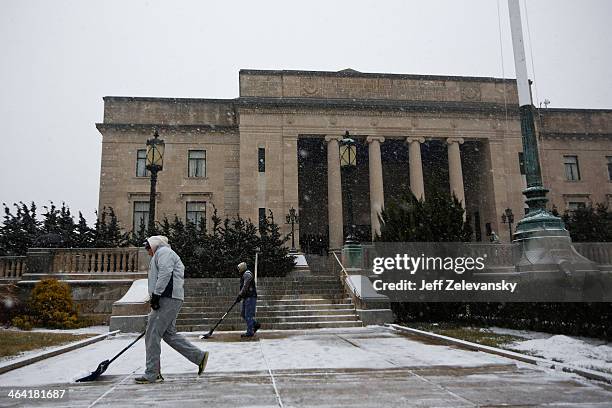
x: 248, y: 295
x: 166, y: 278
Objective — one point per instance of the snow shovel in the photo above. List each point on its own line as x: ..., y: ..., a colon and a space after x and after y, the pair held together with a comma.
x: 104, y: 365
x: 207, y: 335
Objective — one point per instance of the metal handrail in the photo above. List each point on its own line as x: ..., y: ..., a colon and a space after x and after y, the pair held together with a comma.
x: 345, y: 276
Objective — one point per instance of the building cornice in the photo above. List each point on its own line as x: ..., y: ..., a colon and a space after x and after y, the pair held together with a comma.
x: 544, y: 111
x: 149, y: 127
x: 556, y: 135
x: 374, y: 104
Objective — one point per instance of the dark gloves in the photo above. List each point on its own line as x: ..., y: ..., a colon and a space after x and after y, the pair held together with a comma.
x: 238, y: 299
x: 155, y: 301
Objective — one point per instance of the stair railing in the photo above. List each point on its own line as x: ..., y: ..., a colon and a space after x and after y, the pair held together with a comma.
x: 348, y: 286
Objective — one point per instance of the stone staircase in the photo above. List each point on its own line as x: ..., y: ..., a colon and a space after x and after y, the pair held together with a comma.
x: 283, y: 303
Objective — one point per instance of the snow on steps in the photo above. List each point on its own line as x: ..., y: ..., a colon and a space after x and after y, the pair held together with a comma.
x: 283, y: 304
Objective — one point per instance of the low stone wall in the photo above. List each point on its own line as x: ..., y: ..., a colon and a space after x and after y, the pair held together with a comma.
x: 93, y: 298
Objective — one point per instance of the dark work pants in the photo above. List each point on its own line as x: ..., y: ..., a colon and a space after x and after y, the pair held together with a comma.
x: 248, y: 312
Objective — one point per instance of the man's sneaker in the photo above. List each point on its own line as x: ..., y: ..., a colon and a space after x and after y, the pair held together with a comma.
x: 202, y: 364
x: 256, y: 327
x: 145, y: 380
x: 246, y: 335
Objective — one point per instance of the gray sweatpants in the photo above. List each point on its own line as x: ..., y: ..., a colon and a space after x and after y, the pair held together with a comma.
x: 162, y: 325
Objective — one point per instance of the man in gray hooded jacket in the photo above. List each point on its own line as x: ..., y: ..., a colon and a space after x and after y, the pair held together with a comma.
x: 166, y: 278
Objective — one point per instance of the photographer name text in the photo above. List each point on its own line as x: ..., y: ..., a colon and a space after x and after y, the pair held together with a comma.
x: 444, y: 285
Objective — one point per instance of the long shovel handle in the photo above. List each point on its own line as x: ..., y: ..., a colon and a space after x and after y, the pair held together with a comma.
x: 128, y: 346
x: 221, y: 319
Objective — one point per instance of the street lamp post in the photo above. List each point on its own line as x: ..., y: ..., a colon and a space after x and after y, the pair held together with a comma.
x: 508, y: 218
x: 155, y: 164
x: 348, y: 161
x: 292, y: 218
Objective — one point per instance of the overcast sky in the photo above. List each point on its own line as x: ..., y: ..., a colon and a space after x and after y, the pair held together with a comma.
x: 59, y: 58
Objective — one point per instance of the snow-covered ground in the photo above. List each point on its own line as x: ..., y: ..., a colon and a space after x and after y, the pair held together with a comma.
x: 368, y: 348
x: 584, y: 352
x: 82, y: 330
x: 357, y: 367
x: 93, y: 330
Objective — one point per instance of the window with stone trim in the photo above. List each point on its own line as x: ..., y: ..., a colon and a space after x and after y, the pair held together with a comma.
x: 574, y: 205
x: 196, y: 163
x: 572, y: 170
x: 196, y: 213
x: 141, y: 163
x: 609, y: 158
x: 141, y: 215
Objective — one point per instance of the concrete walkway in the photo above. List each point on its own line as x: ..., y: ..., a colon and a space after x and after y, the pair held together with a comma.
x: 361, y: 367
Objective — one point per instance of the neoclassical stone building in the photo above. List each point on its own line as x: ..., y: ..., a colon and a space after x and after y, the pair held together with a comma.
x: 276, y: 146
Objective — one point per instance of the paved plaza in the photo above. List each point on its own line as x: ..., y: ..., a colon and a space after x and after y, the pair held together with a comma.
x: 357, y: 367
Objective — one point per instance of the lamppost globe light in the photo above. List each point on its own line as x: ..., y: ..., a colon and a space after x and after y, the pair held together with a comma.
x: 348, y: 151
x: 155, y: 153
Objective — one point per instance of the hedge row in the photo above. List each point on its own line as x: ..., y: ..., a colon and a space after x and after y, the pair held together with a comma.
x: 576, y: 319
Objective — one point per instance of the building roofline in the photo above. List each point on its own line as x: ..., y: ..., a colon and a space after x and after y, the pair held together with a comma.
x: 163, y: 99
x: 356, y: 74
x: 318, y: 101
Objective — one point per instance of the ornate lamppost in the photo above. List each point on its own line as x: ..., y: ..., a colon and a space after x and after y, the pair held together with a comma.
x: 348, y: 162
x: 508, y: 218
x: 155, y: 164
x: 544, y: 243
x: 538, y: 221
x: 292, y: 218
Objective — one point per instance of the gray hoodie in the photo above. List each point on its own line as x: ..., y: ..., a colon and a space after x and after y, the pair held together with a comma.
x: 165, y: 264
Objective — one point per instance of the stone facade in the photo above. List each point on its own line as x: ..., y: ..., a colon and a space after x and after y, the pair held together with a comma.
x: 474, y: 120
x: 586, y: 134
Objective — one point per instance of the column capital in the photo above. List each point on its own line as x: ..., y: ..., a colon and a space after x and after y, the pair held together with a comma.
x: 332, y: 137
x: 371, y: 139
x: 451, y: 140
x: 415, y: 139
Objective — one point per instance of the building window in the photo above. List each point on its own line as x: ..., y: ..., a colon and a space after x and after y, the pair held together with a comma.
x: 262, y: 218
x: 521, y: 159
x: 196, y: 213
x: 609, y: 167
x: 141, y: 163
x: 574, y: 205
x: 261, y: 159
x: 197, y: 163
x: 141, y: 215
x: 572, y: 171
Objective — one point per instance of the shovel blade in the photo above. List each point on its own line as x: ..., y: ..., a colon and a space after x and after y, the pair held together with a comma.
x: 94, y: 375
x: 206, y: 335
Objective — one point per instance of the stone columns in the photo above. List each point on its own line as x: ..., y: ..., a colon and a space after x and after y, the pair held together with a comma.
x: 454, y: 168
x: 416, y: 166
x: 334, y: 193
x: 377, y: 196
